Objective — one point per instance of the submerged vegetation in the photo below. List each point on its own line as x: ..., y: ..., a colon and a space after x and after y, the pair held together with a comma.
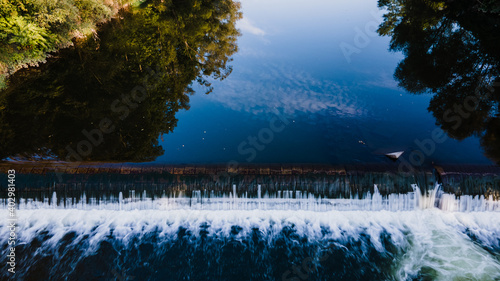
x: 135, y: 74
x: 31, y: 29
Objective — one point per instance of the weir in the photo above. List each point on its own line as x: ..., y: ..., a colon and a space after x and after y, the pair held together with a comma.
x: 271, y: 187
x: 281, y: 200
x: 355, y: 215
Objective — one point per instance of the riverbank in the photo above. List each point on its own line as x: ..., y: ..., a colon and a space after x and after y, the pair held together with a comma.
x: 31, y: 30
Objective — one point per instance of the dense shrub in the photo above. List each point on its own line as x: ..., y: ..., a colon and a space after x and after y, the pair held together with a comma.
x: 30, y: 29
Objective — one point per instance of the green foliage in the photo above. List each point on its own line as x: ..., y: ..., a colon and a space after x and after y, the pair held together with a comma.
x: 398, y: 13
x: 200, y: 31
x: 24, y: 35
x: 29, y: 29
x: 93, y: 11
x: 45, y: 109
x: 2, y: 83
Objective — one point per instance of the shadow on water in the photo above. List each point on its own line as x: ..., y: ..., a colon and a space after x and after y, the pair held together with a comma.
x: 111, y: 96
x: 451, y: 50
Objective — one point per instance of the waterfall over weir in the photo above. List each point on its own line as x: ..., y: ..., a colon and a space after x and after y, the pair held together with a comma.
x: 281, y: 200
x: 310, y: 188
x: 319, y: 225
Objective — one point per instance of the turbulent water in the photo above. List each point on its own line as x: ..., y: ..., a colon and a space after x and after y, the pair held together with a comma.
x: 290, y: 236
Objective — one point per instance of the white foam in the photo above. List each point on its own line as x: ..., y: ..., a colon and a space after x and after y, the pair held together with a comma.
x: 429, y: 237
x: 440, y: 244
x: 282, y: 200
x: 429, y: 229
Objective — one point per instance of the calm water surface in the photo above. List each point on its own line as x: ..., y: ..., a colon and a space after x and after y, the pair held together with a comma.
x: 310, y: 83
x: 340, y: 109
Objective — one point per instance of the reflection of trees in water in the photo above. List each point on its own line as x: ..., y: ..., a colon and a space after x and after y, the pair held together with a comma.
x: 160, y: 48
x: 451, y: 49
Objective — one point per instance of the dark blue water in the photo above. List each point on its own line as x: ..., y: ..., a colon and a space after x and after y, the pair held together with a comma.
x: 255, y: 245
x: 199, y: 256
x: 340, y: 109
x: 310, y: 83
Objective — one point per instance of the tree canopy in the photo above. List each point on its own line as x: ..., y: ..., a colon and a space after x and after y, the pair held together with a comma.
x: 451, y: 50
x: 31, y: 29
x: 136, y: 74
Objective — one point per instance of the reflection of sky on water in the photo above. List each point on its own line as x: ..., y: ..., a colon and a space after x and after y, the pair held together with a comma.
x: 262, y: 88
x: 289, y: 60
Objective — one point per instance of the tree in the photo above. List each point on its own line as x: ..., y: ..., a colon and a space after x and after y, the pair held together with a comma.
x: 451, y: 50
x: 137, y: 74
x: 31, y: 29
